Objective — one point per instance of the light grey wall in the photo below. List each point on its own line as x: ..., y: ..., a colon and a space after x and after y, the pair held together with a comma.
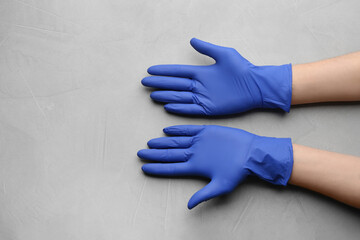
x: 73, y: 115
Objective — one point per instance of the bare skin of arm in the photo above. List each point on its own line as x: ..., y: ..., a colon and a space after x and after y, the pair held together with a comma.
x: 332, y: 174
x: 331, y: 80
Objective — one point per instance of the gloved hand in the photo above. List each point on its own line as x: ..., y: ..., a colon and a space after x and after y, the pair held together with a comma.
x: 231, y: 85
x: 224, y: 155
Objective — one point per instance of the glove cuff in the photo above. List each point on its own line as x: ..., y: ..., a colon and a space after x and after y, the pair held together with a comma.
x: 271, y: 159
x: 276, y: 86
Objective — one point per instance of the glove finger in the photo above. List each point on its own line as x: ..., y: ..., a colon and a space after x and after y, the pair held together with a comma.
x: 172, y: 83
x: 173, y: 96
x: 183, y: 130
x: 213, y: 189
x: 191, y: 109
x: 167, y: 169
x: 164, y: 155
x: 173, y: 70
x: 206, y: 48
x: 170, y: 142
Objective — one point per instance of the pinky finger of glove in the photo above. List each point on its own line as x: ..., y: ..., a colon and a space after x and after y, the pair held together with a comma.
x: 191, y: 109
x: 167, y: 169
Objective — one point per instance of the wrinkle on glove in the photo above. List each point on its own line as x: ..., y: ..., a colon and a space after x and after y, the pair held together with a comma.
x: 231, y: 85
x: 224, y: 155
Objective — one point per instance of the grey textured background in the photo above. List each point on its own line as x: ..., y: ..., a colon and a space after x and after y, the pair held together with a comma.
x: 73, y: 115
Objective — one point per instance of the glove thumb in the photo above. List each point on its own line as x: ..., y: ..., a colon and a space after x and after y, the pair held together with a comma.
x: 213, y: 189
x: 209, y: 49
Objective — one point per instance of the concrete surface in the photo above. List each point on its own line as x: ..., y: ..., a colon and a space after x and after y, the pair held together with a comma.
x: 73, y: 115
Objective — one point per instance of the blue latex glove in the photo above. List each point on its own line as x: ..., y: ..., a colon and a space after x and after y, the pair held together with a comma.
x: 224, y: 155
x: 231, y: 85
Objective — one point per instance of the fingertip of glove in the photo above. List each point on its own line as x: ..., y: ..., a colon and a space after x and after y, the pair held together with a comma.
x: 173, y: 108
x: 145, y: 169
x: 150, y: 70
x: 191, y: 204
x: 140, y: 153
x: 144, y: 81
x: 151, y: 143
x: 193, y: 41
x: 168, y: 108
x: 153, y: 95
x: 165, y: 130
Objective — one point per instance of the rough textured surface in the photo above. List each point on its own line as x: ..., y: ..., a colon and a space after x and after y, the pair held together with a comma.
x: 73, y: 114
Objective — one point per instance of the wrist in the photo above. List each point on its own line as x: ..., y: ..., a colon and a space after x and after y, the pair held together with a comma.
x: 271, y: 159
x: 275, y: 84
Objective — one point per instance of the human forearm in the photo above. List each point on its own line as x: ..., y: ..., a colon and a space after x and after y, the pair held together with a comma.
x: 330, y: 80
x: 332, y: 174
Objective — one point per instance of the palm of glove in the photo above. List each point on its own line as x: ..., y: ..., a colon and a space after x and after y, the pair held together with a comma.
x: 214, y: 152
x: 226, y: 87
